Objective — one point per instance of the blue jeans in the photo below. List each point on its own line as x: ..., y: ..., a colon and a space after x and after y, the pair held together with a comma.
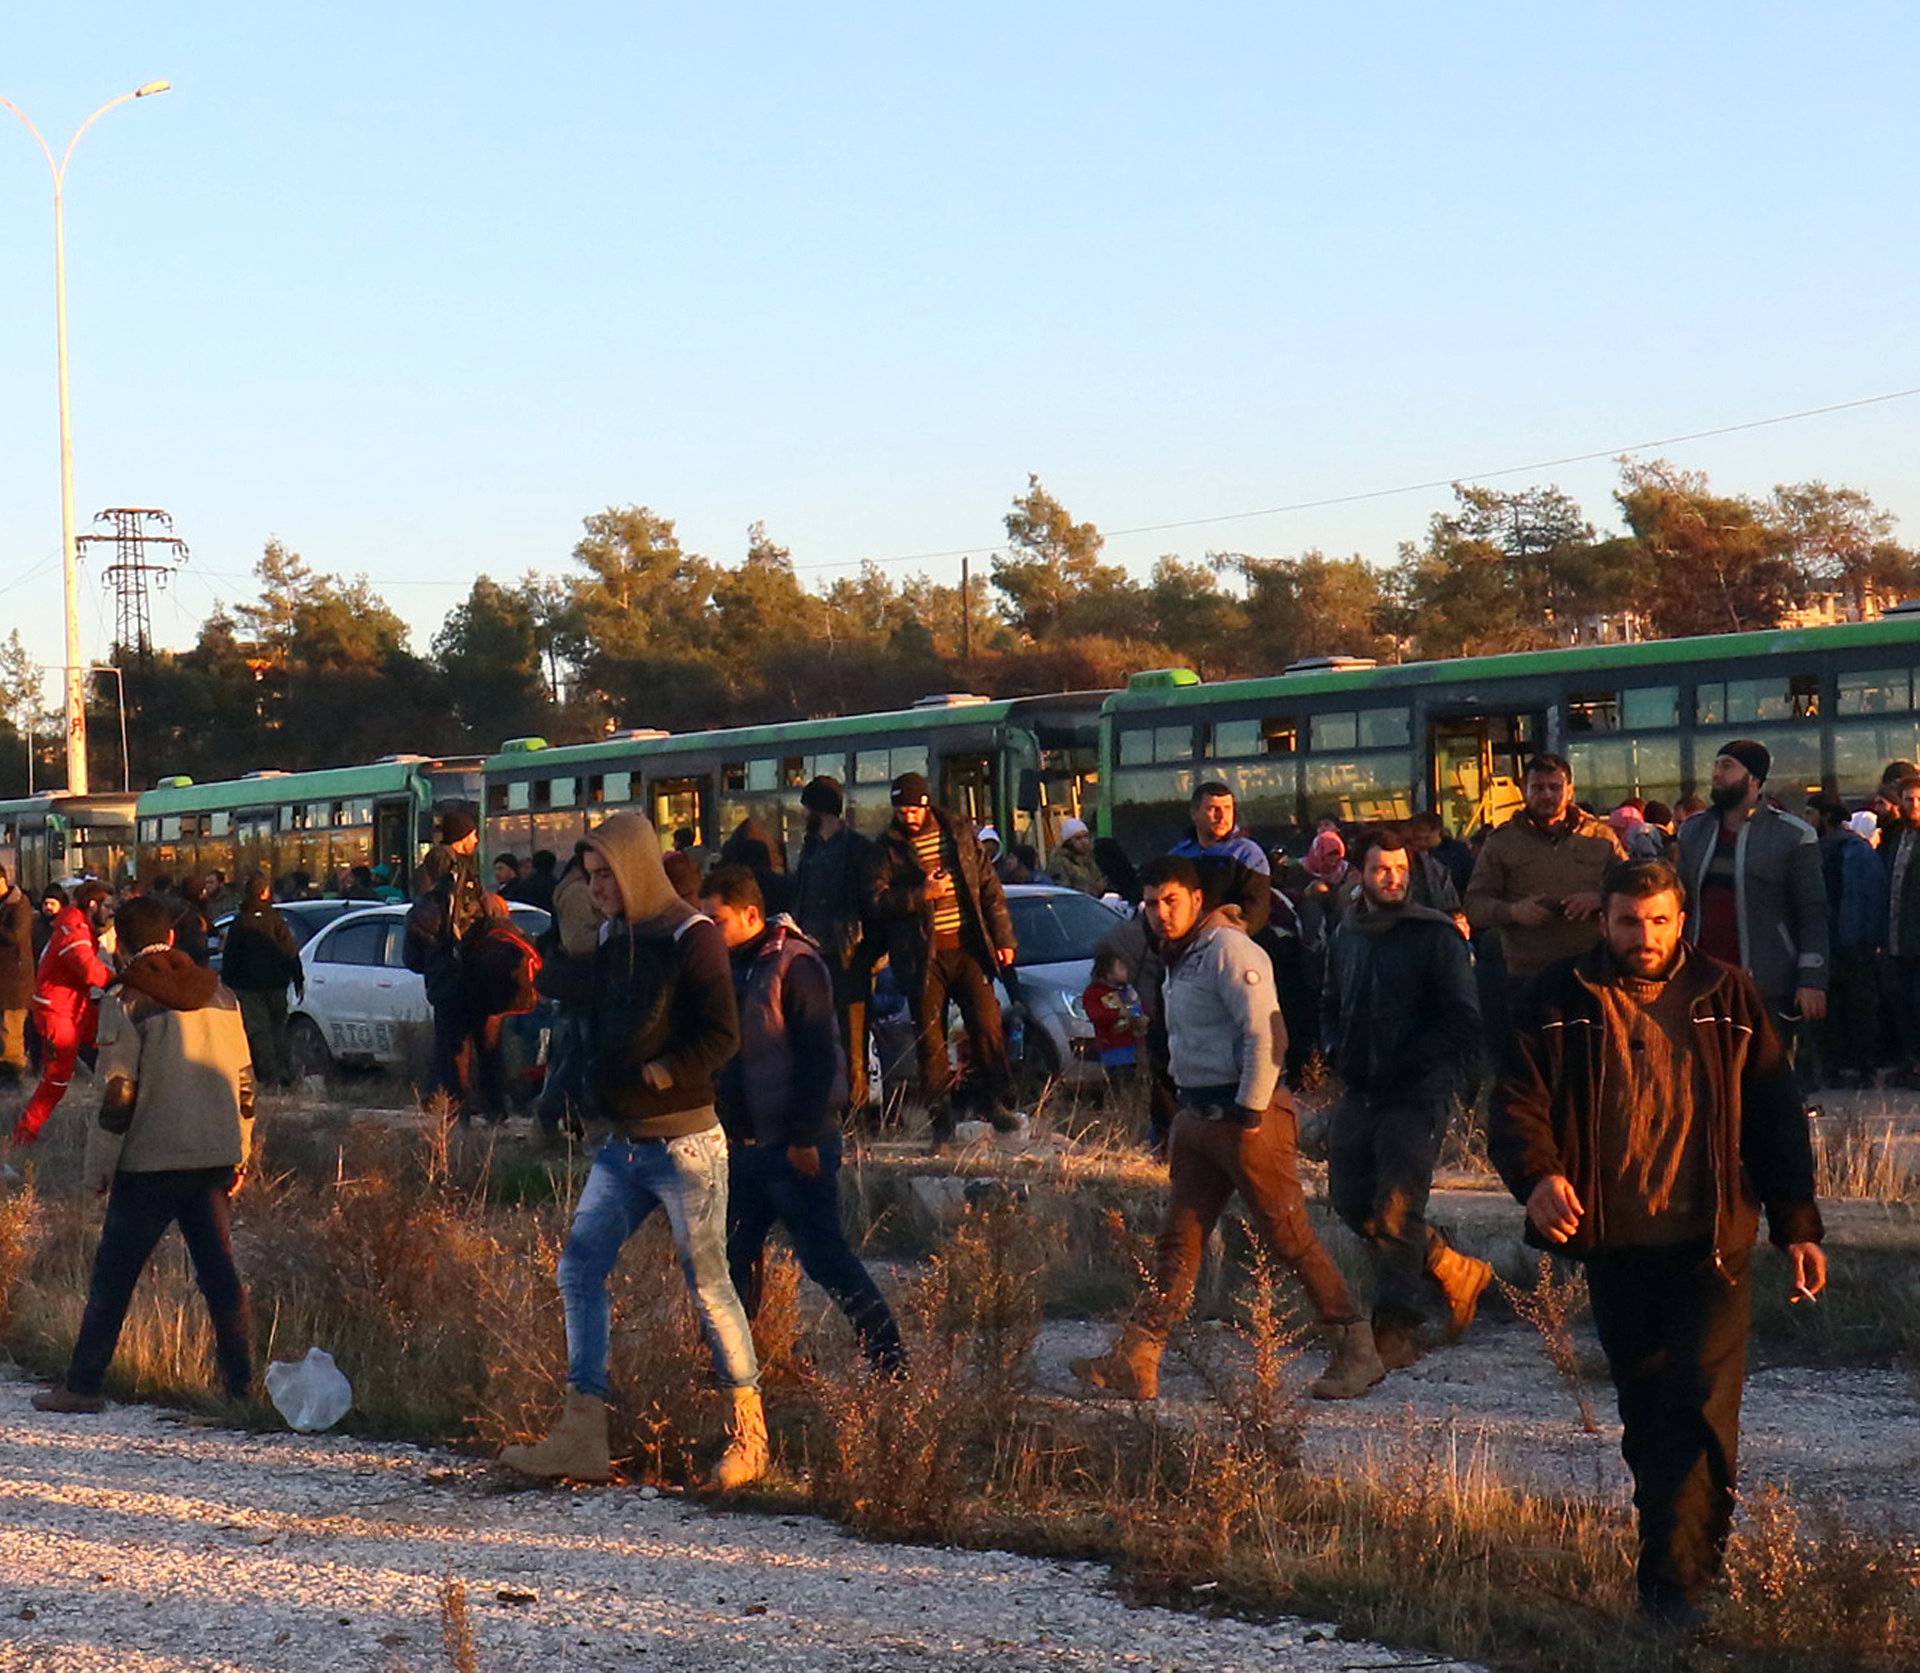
x: 768, y: 1192
x: 631, y: 1178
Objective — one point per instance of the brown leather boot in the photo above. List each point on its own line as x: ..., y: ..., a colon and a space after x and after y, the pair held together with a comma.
x: 746, y: 1456
x: 577, y: 1448
x: 1396, y: 1341
x: 62, y: 1399
x: 1355, y: 1366
x: 1130, y: 1368
x: 1464, y: 1280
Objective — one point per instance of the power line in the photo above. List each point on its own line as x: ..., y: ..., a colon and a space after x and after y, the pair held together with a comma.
x: 1324, y: 502
x: 1412, y: 487
x: 29, y: 573
x: 1518, y: 470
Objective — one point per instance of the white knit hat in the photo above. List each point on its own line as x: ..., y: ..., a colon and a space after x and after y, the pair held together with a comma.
x: 987, y: 833
x: 1071, y: 828
x: 1864, y: 824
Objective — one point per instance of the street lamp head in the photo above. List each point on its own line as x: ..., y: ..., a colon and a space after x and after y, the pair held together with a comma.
x: 151, y: 88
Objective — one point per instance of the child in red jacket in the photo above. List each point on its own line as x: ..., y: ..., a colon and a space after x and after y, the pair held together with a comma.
x: 1114, y: 1010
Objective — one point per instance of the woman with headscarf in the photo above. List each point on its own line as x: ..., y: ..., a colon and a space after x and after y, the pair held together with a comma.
x: 1320, y: 908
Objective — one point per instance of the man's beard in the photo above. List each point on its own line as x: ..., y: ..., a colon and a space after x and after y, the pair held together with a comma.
x: 1658, y: 973
x: 1544, y: 819
x: 1382, y: 903
x: 1725, y: 798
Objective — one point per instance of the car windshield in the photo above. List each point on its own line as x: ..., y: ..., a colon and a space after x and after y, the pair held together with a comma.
x: 1054, y: 929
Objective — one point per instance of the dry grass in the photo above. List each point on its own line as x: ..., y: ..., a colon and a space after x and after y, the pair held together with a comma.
x: 399, y: 1251
x: 456, y: 1628
x: 1556, y: 1301
x: 19, y: 1211
x: 1858, y: 1156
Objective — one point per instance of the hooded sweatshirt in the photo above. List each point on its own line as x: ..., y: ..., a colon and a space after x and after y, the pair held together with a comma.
x: 663, y: 994
x: 173, y: 1034
x: 1224, y: 1028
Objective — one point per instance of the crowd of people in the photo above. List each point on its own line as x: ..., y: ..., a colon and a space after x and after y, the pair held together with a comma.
x: 1640, y: 996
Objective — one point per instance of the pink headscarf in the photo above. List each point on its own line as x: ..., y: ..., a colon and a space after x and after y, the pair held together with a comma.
x: 1327, y: 858
x: 1625, y: 818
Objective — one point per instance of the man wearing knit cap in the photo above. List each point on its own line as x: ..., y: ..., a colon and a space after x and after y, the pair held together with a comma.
x: 1756, y: 896
x: 1073, y: 865
x: 1899, y: 848
x: 664, y: 1023
x: 948, y: 931
x: 829, y: 904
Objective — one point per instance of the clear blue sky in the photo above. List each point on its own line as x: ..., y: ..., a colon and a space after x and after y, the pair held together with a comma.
x: 416, y: 287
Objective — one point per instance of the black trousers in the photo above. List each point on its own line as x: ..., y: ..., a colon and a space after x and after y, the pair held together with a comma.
x: 140, y: 1209
x: 1849, y: 1037
x: 1381, y: 1153
x: 956, y: 975
x: 764, y: 1191
x: 1674, y: 1328
x: 469, y: 1062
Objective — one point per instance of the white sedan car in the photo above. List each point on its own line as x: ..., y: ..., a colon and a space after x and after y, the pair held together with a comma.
x: 1059, y: 931
x: 360, y: 995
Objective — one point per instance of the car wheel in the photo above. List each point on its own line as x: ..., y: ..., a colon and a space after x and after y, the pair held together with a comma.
x: 308, y: 1048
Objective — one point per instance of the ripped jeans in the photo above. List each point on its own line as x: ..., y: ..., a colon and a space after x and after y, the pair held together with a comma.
x: 686, y: 1176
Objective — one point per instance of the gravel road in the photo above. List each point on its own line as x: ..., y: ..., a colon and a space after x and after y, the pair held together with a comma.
x: 136, y: 1543
x: 1849, y: 1437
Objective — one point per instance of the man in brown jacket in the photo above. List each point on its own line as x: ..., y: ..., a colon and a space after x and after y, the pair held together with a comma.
x: 175, y: 1128
x: 1646, y: 1115
x: 1537, y: 881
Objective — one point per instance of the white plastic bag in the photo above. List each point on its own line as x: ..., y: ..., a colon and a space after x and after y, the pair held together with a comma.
x: 311, y: 1393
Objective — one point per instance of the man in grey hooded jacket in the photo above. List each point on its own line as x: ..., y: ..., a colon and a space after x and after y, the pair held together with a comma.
x: 1236, y: 1131
x: 663, y: 1025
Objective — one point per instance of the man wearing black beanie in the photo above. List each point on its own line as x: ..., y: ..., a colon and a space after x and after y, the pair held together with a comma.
x: 1756, y: 894
x: 829, y: 887
x: 948, y: 931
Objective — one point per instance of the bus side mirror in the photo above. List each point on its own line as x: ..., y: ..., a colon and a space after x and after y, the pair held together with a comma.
x: 1028, y: 800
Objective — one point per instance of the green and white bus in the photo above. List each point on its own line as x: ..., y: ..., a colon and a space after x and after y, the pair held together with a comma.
x: 45, y: 839
x: 316, y: 822
x: 1342, y: 737
x: 1023, y: 764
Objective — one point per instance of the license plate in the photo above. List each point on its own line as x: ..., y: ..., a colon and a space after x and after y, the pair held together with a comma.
x: 371, y: 1037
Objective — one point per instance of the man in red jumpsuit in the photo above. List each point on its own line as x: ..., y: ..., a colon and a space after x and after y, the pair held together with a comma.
x: 66, y: 1005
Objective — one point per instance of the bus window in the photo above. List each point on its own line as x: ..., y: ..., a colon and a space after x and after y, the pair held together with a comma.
x: 679, y: 804
x: 966, y: 787
x: 1360, y: 787
x: 391, y: 846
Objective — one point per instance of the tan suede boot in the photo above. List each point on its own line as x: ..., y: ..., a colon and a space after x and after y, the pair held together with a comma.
x: 1464, y: 1280
x: 1130, y: 1368
x: 1355, y: 1366
x: 577, y: 1448
x: 1396, y: 1341
x: 745, y: 1459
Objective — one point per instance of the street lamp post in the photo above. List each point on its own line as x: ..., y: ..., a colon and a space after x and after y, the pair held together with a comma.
x: 76, y: 669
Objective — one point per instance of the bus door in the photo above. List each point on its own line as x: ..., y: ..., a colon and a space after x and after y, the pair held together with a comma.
x: 966, y: 786
x: 680, y: 804
x: 1475, y: 766
x: 392, y: 845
